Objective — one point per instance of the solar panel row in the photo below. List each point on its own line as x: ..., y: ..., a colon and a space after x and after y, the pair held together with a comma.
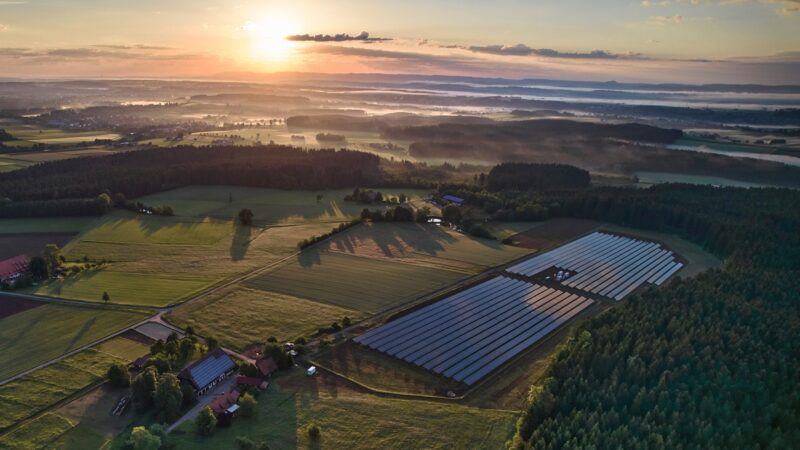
x: 605, y: 264
x: 469, y: 334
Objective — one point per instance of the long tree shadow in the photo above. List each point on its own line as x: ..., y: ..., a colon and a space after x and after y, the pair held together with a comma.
x: 240, y: 242
x: 84, y: 329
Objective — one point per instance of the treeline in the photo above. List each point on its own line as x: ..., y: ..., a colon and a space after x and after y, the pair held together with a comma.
x: 71, y: 207
x: 709, y: 362
x: 143, y: 172
x: 525, y: 176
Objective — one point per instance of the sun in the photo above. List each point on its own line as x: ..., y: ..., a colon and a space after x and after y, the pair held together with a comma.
x: 268, y: 38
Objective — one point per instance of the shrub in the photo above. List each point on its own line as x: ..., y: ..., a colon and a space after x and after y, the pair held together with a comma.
x: 206, y: 422
x: 248, y: 406
x: 314, y: 432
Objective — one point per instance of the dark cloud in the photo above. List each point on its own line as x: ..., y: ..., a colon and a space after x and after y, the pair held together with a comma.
x: 343, y: 37
x: 403, y: 61
x: 524, y: 50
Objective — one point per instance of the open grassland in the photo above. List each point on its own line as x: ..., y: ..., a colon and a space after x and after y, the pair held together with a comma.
x: 370, y: 285
x: 122, y: 227
x: 240, y: 316
x: 126, y: 288
x: 45, y: 387
x: 429, y: 245
x: 353, y: 420
x: 269, y: 206
x: 42, y: 433
x: 32, y: 157
x: 38, y: 335
x: 48, y: 225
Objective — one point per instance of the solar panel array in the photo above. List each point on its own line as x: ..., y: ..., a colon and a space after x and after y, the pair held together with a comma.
x: 605, y: 264
x: 469, y: 334
x: 211, y: 368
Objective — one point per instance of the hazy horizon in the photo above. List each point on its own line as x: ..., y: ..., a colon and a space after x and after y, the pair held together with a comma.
x: 680, y: 41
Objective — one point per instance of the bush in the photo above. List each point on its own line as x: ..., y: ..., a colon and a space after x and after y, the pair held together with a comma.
x: 206, y: 422
x: 245, y: 443
x: 248, y: 406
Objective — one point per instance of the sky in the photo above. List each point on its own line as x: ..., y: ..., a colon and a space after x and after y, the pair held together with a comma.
x: 681, y: 41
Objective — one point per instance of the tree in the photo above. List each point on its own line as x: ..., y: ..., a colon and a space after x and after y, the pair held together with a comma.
x: 160, y: 363
x: 168, y: 397
x: 246, y: 217
x: 143, y: 387
x: 51, y: 255
x: 346, y: 321
x: 451, y: 213
x: 106, y: 297
x: 104, y: 202
x: 188, y: 395
x: 141, y: 439
x: 314, y: 432
x: 212, y: 343
x: 38, y: 268
x: 206, y: 422
x: 319, y: 198
x: 248, y: 405
x: 118, y: 375
x: 186, y: 348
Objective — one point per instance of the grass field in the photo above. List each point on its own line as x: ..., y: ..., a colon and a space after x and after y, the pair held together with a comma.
x: 647, y: 179
x: 269, y: 206
x: 352, y: 420
x: 241, y: 316
x: 41, y: 433
x: 122, y: 227
x: 26, y: 135
x: 126, y: 288
x: 37, y: 335
x: 42, y: 388
x: 429, y: 245
x: 370, y: 285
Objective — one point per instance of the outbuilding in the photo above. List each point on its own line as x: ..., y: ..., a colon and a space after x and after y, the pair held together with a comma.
x: 452, y: 199
x: 208, y: 371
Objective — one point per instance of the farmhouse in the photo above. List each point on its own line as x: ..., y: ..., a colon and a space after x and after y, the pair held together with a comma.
x: 13, y: 268
x: 452, y: 199
x: 225, y: 406
x: 206, y: 372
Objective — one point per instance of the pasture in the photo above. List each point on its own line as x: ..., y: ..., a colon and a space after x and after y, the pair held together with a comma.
x: 353, y: 420
x: 240, y: 316
x: 25, y: 397
x: 35, y: 336
x: 269, y: 206
x: 27, y: 135
x: 41, y: 433
x: 428, y: 245
x: 127, y: 288
x: 122, y: 227
x: 370, y: 285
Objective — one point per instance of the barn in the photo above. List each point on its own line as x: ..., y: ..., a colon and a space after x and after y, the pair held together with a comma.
x: 13, y: 268
x: 208, y: 371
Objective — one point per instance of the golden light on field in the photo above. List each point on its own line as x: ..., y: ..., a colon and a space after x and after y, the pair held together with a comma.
x: 268, y: 38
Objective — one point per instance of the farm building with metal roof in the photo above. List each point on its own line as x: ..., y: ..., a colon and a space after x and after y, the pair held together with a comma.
x: 206, y: 372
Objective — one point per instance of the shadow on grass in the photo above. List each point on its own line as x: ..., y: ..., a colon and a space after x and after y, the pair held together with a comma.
x: 240, y: 242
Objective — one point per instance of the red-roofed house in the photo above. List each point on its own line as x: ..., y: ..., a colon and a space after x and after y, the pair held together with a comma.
x: 266, y: 366
x: 251, y: 381
x: 225, y: 406
x: 13, y: 268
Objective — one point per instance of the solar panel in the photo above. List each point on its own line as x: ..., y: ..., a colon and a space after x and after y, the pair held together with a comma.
x: 211, y: 368
x: 467, y: 335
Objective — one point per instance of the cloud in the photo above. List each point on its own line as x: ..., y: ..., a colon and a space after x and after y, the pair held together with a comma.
x: 132, y: 47
x: 96, y: 52
x: 342, y: 37
x: 4, y: 3
x: 524, y: 50
x: 3, y: 28
x: 650, y: 3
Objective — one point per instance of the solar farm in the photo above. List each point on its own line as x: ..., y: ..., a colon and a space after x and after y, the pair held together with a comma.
x: 469, y: 334
x: 603, y: 264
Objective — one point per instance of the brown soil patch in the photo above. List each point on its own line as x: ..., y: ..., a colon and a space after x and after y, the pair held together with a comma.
x: 135, y: 336
x: 10, y: 305
x: 554, y: 232
x: 30, y: 244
